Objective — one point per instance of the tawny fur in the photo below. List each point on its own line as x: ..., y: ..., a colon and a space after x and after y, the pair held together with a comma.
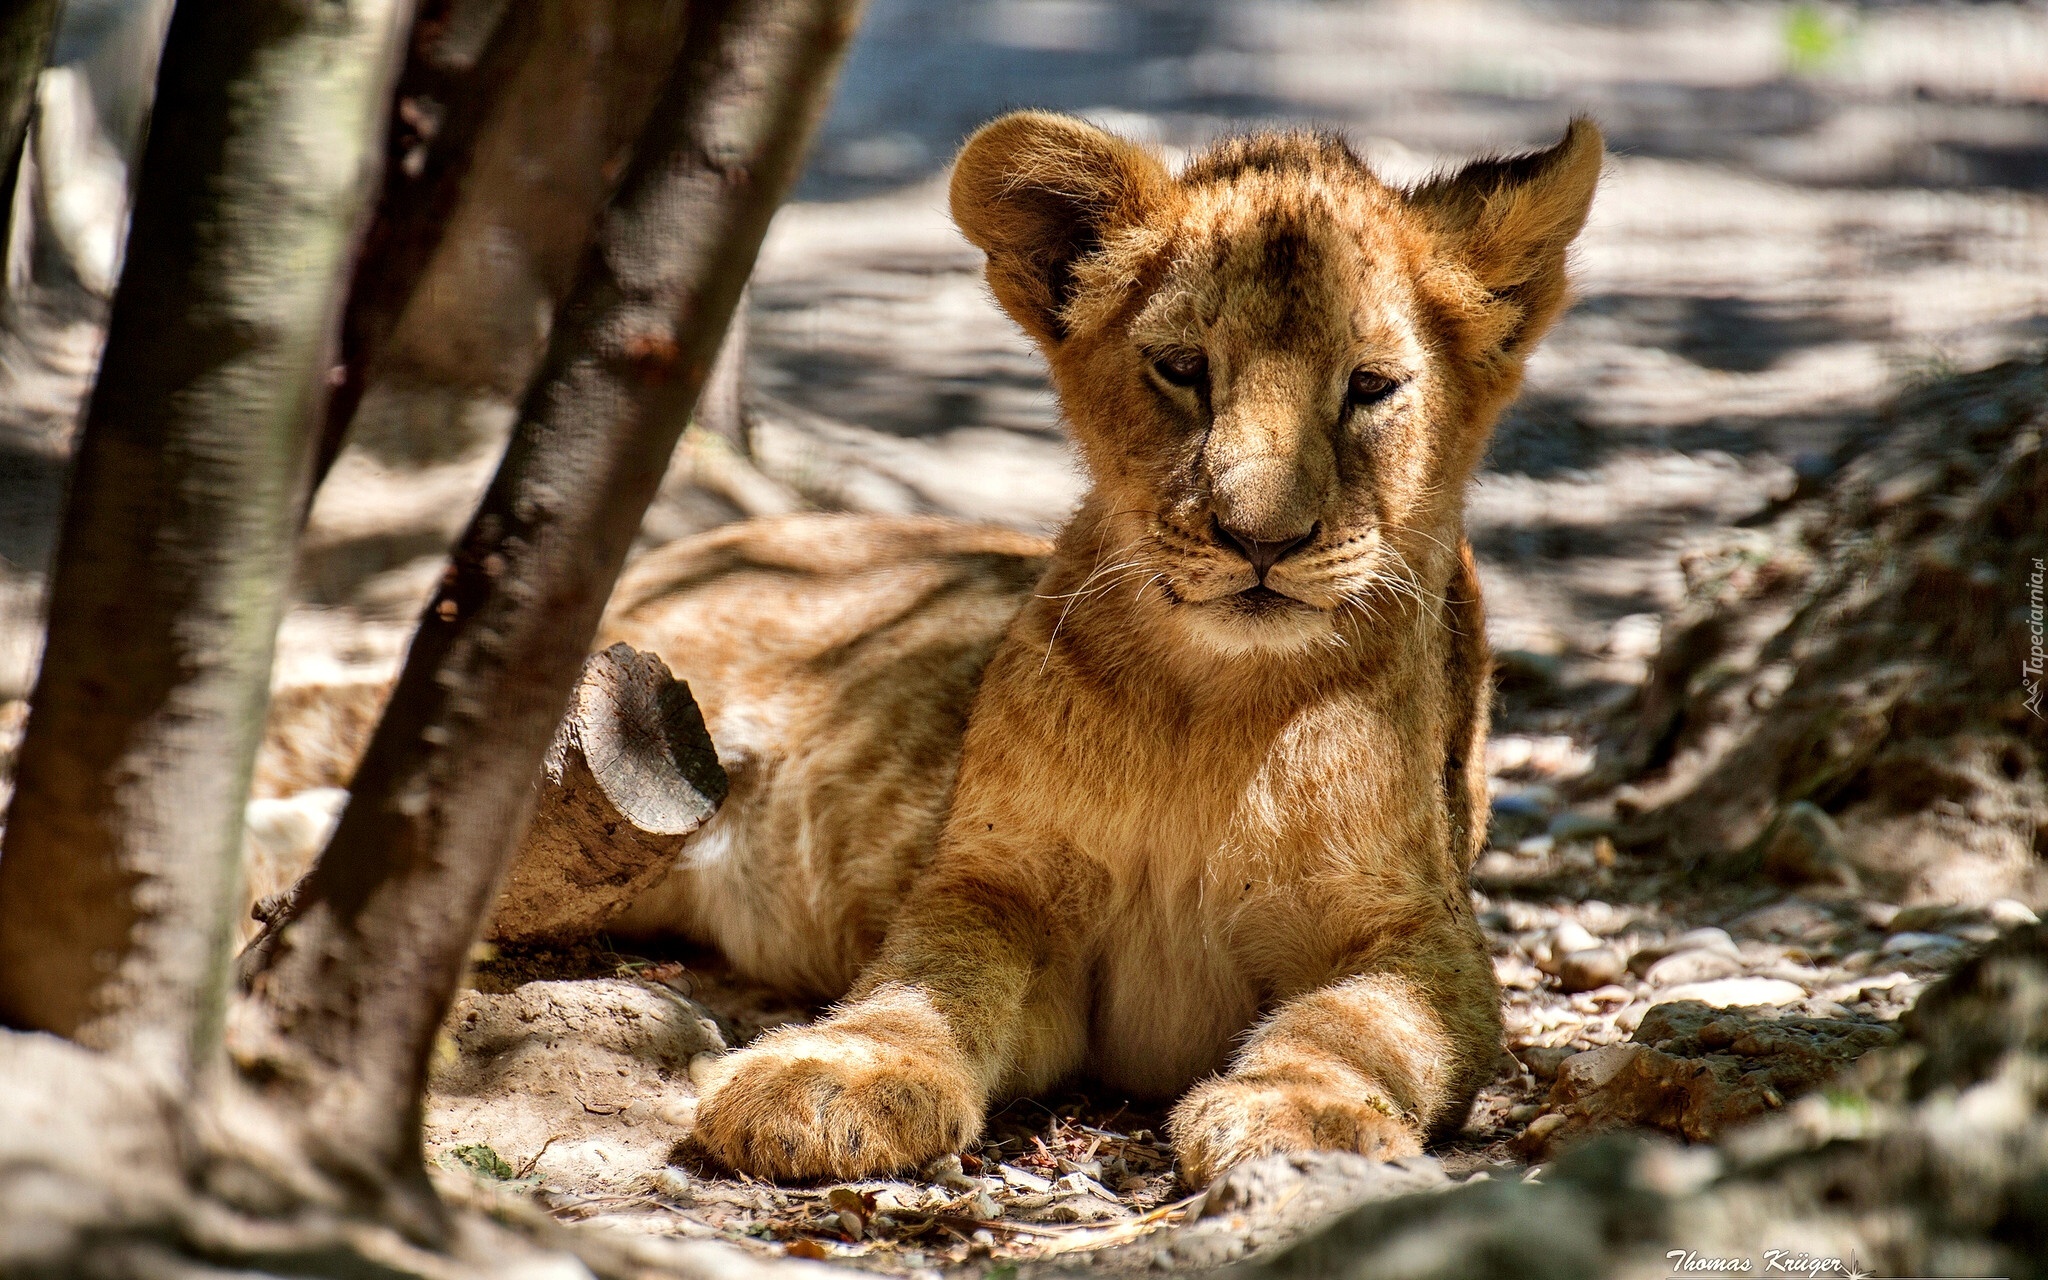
x: 1098, y: 808
x: 1114, y: 813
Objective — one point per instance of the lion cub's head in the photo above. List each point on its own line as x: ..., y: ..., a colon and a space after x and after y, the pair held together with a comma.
x: 1280, y: 369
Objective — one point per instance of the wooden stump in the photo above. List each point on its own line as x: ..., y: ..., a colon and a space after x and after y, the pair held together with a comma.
x: 630, y: 775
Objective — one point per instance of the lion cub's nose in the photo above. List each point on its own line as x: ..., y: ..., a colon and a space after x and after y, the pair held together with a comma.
x: 1263, y: 554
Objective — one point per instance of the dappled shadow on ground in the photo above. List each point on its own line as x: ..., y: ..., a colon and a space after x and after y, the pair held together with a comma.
x: 924, y: 75
x: 1726, y: 331
x: 1745, y: 91
x: 1547, y: 437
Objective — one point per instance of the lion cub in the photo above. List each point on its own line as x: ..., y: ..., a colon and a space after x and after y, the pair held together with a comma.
x: 1186, y: 801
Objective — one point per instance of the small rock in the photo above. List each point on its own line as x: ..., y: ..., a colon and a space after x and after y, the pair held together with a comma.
x: 1739, y: 993
x: 1691, y: 966
x: 1804, y: 847
x: 1588, y: 1072
x: 1023, y: 1181
x: 1708, y: 938
x: 1640, y: 960
x: 1930, y: 917
x: 1529, y: 802
x: 1495, y: 864
x: 1515, y: 973
x: 1085, y: 1208
x: 1543, y: 1126
x: 1792, y: 920
x: 1571, y: 936
x: 1901, y: 943
x: 2008, y: 913
x: 1082, y: 1184
x: 947, y: 1172
x: 1521, y: 813
x: 1589, y: 969
x: 1543, y: 1060
x: 1571, y: 825
x: 1878, y: 915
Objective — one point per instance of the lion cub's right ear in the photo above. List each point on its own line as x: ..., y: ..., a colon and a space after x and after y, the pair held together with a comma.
x: 1039, y: 192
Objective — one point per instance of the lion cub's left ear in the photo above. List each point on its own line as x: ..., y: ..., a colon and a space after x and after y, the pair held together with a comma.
x: 1037, y: 193
x: 1504, y: 225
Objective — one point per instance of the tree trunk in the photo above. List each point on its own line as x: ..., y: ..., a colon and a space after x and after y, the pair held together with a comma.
x: 349, y: 998
x: 722, y: 409
x: 630, y: 774
x: 437, y: 114
x: 26, y: 29
x: 123, y: 839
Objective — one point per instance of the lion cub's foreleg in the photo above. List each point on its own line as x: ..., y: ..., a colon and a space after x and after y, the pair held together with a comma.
x: 1375, y: 1062
x: 977, y: 991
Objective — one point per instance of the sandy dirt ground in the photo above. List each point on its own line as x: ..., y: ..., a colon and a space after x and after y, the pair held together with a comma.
x: 1807, y: 211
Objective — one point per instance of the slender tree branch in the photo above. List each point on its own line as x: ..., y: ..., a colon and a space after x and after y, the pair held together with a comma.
x: 350, y: 995
x: 125, y: 831
x: 437, y: 114
x: 26, y: 30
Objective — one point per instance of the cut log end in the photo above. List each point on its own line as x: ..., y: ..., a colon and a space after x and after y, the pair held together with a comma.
x: 630, y: 775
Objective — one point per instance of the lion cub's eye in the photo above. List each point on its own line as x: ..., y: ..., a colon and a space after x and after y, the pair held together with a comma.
x: 1368, y: 387
x: 1182, y: 368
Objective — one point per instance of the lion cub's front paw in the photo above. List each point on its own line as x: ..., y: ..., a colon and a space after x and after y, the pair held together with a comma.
x: 1227, y: 1121
x: 816, y: 1102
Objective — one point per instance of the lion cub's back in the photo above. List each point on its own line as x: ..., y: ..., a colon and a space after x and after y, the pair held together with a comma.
x: 834, y: 657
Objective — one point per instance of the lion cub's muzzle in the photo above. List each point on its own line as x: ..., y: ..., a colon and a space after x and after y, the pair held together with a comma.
x: 1267, y: 504
x: 1261, y: 553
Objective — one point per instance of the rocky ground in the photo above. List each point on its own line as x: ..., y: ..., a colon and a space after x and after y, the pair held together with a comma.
x: 1656, y: 977
x: 1824, y: 793
x: 1756, y: 546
